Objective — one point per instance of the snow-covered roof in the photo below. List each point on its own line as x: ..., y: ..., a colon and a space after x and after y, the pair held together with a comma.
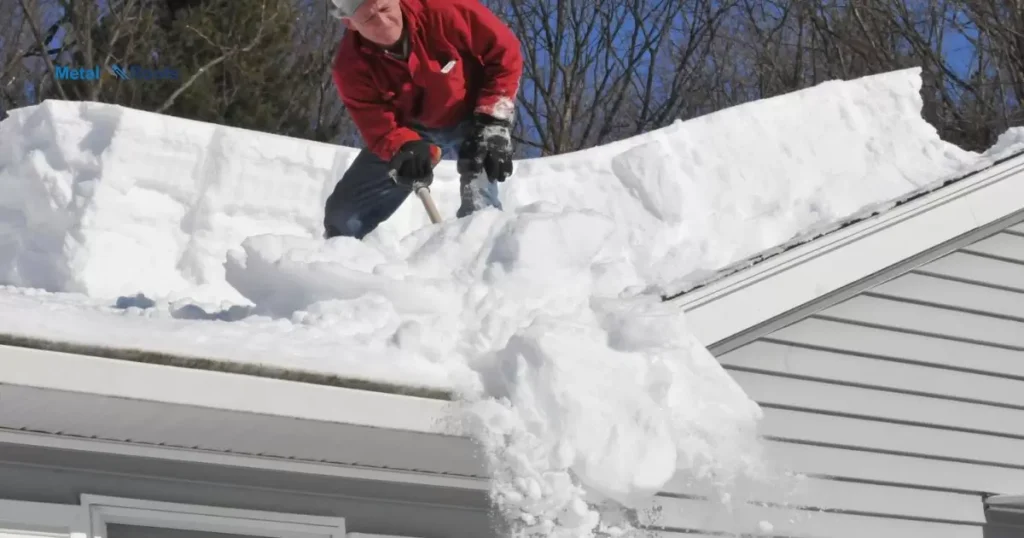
x: 756, y: 295
x: 819, y: 233
x: 199, y: 245
x: 139, y: 224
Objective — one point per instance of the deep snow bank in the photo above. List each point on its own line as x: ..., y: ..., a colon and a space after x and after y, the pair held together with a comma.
x: 111, y: 201
x: 581, y: 388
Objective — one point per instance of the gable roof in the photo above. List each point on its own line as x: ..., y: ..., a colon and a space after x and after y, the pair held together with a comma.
x: 823, y: 267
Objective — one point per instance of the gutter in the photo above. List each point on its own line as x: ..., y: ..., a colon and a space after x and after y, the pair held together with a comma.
x: 214, y: 365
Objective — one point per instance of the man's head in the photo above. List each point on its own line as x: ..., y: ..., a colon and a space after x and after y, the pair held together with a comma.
x: 379, y: 21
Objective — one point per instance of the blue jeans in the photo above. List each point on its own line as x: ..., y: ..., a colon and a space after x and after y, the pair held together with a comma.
x: 366, y: 196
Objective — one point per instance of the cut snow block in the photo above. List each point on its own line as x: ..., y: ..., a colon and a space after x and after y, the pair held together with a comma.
x: 112, y: 201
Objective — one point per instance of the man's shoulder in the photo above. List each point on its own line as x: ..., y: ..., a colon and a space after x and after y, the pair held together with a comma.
x: 348, y: 47
x: 350, y: 67
x: 349, y: 52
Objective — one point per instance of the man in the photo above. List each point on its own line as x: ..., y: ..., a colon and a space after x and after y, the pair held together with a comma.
x: 420, y: 77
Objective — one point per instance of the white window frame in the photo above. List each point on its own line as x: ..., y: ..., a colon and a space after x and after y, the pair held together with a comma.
x: 365, y: 535
x: 98, y: 511
x: 1007, y: 504
x: 1014, y: 502
x: 42, y: 519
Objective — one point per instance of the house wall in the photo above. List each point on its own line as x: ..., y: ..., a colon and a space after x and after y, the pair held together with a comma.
x: 904, y: 404
x: 59, y: 477
x: 72, y: 425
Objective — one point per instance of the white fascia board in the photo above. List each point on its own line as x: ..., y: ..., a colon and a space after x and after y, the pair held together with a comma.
x: 808, y: 272
x: 60, y: 371
x: 232, y: 459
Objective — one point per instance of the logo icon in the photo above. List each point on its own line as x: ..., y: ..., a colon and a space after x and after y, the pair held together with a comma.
x: 119, y: 72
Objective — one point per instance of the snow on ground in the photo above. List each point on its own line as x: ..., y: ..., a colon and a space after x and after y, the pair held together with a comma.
x: 583, y: 387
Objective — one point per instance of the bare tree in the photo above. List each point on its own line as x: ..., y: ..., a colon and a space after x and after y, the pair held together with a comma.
x: 15, y: 42
x: 597, y: 70
x: 32, y: 14
x: 998, y: 84
x: 226, y: 51
x: 316, y: 43
x: 785, y: 45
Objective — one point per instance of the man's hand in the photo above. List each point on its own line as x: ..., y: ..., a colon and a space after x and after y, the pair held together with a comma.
x: 488, y: 147
x: 414, y: 163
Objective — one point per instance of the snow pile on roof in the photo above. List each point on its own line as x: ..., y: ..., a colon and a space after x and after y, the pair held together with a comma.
x: 581, y: 384
x: 527, y: 309
x: 1009, y: 143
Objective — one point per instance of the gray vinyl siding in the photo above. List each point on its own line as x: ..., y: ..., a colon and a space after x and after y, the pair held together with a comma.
x: 911, y: 391
x: 60, y: 476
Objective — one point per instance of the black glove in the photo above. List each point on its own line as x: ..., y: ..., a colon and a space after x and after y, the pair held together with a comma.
x: 414, y: 163
x: 487, y: 147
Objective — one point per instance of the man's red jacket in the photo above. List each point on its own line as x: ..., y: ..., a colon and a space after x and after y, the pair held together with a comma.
x: 462, y: 59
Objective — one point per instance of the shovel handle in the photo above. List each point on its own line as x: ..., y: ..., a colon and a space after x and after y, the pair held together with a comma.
x: 424, y: 194
x: 428, y: 204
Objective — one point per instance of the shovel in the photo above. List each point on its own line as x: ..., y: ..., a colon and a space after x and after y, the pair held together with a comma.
x: 428, y: 203
x: 423, y: 192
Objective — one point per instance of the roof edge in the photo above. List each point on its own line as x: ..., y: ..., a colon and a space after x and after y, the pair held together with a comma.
x: 240, y: 460
x: 70, y: 372
x: 218, y: 365
x: 751, y: 302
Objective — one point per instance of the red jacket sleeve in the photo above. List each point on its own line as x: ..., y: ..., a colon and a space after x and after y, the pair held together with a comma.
x: 374, y: 117
x: 498, y: 49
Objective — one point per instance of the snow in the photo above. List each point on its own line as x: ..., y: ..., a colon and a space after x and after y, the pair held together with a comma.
x: 1008, y: 144
x: 125, y: 228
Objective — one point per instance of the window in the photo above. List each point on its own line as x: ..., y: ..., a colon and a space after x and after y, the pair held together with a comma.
x: 117, y: 530
x: 114, y: 517
x: 363, y: 535
x: 1005, y: 515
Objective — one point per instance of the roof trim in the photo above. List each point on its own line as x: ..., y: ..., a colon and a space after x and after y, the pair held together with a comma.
x: 746, y: 304
x: 53, y: 370
x: 219, y: 365
x: 235, y: 459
